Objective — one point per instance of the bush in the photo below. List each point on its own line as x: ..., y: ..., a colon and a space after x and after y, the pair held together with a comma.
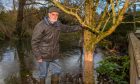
x: 7, y: 24
x: 114, y: 69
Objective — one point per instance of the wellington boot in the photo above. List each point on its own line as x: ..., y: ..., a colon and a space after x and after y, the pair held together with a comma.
x: 42, y: 81
x: 55, y: 79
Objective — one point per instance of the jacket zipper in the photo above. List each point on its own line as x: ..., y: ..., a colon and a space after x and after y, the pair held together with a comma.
x: 53, y: 45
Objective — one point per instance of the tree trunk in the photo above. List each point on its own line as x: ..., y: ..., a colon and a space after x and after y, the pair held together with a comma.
x: 87, y: 19
x: 23, y: 68
x: 88, y: 68
x: 14, y: 5
x: 88, y: 59
x: 89, y: 45
x: 19, y: 29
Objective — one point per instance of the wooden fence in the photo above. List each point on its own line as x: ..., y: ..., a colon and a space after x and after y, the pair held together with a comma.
x: 134, y: 53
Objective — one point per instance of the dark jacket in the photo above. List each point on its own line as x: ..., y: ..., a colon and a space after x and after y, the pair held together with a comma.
x: 45, y: 39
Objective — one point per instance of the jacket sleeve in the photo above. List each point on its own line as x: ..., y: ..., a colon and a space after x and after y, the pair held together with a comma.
x: 36, y: 39
x: 66, y: 28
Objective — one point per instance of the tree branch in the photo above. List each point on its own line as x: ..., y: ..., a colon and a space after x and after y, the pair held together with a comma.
x: 104, y: 14
x: 74, y: 13
x: 105, y: 24
x: 118, y: 21
x: 117, y: 4
x: 31, y: 3
x: 95, y: 7
x: 130, y: 22
x: 113, y: 10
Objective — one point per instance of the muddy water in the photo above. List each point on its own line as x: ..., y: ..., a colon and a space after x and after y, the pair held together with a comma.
x: 16, y: 61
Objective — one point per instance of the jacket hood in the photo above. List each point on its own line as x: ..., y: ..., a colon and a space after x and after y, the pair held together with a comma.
x: 49, y: 23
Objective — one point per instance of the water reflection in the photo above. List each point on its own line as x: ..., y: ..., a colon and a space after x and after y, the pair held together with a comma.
x: 9, y: 55
x: 70, y: 61
x: 9, y: 62
x: 23, y: 50
x: 17, y: 62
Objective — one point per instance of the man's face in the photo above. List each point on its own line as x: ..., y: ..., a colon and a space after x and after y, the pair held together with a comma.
x: 53, y: 16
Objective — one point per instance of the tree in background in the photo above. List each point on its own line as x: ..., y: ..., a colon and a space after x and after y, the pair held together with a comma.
x: 23, y: 6
x: 97, y: 25
x: 19, y: 29
x: 1, y: 6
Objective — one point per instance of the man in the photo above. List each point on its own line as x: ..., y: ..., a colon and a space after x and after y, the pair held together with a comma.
x: 45, y: 43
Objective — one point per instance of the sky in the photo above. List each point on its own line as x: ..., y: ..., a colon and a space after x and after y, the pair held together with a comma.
x: 8, y: 4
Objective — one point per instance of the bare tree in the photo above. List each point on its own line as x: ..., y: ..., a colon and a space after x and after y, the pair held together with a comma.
x: 14, y: 5
x: 1, y: 6
x: 100, y: 25
x: 19, y: 29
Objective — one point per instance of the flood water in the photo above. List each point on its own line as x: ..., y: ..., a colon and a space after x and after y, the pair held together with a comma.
x: 17, y: 61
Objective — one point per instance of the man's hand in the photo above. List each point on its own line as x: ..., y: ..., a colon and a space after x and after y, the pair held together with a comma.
x: 81, y: 25
x: 40, y: 60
